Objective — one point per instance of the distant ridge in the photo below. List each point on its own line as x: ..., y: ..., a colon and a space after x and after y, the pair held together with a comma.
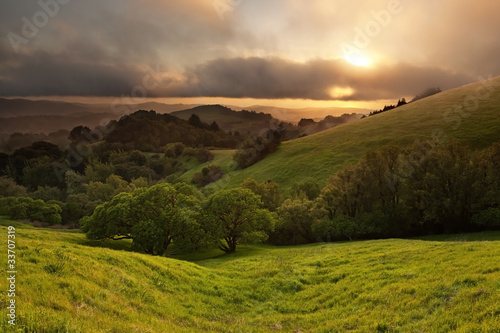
x: 46, y: 116
x: 294, y: 115
x: 24, y: 107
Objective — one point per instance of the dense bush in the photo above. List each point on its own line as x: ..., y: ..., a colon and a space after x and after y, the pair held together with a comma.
x: 489, y: 218
x: 268, y: 191
x: 295, y: 220
x: 208, y: 174
x: 257, y: 148
x: 33, y: 210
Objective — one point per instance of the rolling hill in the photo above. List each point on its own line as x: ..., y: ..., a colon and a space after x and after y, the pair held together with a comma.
x: 470, y: 114
x: 66, y: 283
x: 294, y: 115
x: 230, y: 120
x: 46, y: 116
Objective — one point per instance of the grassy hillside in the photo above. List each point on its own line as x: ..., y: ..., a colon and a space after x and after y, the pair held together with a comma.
x: 67, y: 284
x: 325, y: 153
x: 222, y: 158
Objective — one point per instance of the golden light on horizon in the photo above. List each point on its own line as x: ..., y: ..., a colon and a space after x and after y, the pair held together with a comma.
x: 340, y: 92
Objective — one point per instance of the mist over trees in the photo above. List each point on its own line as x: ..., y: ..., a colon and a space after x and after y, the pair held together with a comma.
x: 426, y: 93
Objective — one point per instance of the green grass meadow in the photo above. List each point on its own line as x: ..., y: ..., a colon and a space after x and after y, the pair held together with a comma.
x: 66, y: 283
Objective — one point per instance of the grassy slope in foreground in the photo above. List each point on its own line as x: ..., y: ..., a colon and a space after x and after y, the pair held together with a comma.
x: 434, y: 285
x: 323, y: 154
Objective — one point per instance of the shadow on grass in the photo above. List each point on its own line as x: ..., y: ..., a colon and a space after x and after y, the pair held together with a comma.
x: 121, y: 245
x: 213, y: 253
x: 468, y: 237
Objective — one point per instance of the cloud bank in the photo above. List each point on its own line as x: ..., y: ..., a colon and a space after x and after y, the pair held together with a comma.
x: 256, y: 49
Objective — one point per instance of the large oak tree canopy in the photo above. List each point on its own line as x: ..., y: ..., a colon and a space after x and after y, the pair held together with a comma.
x: 152, y: 217
x: 236, y: 215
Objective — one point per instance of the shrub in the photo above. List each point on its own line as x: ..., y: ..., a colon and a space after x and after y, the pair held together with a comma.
x: 207, y: 175
x: 489, y: 218
x: 256, y: 149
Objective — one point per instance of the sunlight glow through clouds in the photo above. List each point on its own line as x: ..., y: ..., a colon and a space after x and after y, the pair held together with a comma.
x: 286, y: 52
x: 340, y: 92
x: 359, y: 61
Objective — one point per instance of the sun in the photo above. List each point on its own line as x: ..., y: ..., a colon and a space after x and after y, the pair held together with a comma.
x: 358, y: 60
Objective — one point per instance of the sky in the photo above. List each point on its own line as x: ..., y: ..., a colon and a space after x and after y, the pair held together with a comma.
x: 280, y: 52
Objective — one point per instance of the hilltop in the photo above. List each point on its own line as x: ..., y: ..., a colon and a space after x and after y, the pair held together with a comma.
x: 456, y: 113
x: 229, y: 120
x: 67, y: 283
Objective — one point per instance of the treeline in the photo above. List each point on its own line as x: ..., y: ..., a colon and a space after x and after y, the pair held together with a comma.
x: 424, y: 94
x: 42, y: 172
x: 52, y: 212
x: 389, y: 107
x: 14, y: 141
x: 310, y: 126
x: 149, y: 131
x: 256, y: 148
x: 429, y: 188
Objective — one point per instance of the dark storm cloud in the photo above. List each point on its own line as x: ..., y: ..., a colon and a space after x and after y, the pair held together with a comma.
x: 259, y: 49
x: 317, y: 79
x: 100, y: 48
x: 41, y: 73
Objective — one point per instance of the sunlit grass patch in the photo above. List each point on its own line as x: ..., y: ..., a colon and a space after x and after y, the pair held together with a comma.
x: 434, y: 284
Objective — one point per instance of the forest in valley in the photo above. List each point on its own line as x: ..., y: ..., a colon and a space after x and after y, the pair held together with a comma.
x: 122, y: 182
